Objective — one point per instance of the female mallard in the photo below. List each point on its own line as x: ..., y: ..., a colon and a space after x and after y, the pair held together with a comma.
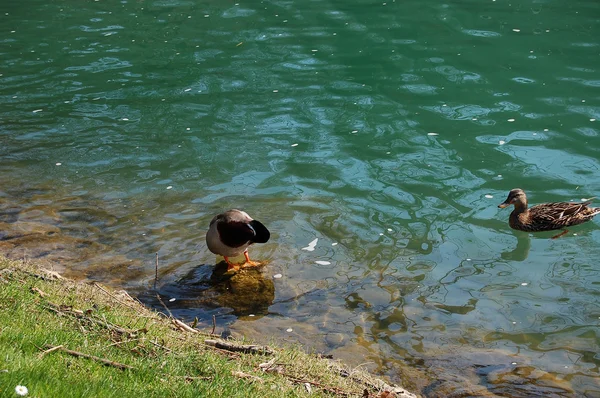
x: 230, y: 234
x: 546, y: 216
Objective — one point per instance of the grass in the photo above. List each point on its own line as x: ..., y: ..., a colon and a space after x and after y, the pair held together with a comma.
x: 40, y: 310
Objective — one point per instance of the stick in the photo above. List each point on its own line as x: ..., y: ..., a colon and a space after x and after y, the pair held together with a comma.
x: 113, y: 296
x: 243, y: 375
x: 164, y: 305
x: 183, y: 326
x: 58, y: 347
x: 79, y: 314
x: 334, y: 390
x: 248, y: 349
x: 104, y: 361
x: 214, y: 325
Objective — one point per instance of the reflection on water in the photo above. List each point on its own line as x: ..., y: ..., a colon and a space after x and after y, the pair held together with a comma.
x: 388, y: 131
x: 521, y: 251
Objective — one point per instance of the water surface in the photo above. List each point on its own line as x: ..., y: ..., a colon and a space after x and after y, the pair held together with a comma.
x: 390, y: 131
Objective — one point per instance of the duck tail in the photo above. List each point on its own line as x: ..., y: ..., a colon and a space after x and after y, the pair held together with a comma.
x: 262, y: 233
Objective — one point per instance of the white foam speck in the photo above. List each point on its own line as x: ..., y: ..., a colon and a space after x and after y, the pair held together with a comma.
x: 173, y: 299
x: 58, y: 164
x: 37, y: 110
x: 169, y: 187
x: 501, y: 142
x: 311, y: 245
x: 188, y: 129
x: 489, y: 196
x: 524, y: 284
x: 511, y: 120
x: 468, y: 259
x: 289, y: 330
x: 381, y: 234
x: 432, y: 134
x: 516, y: 30
x: 390, y: 230
x: 277, y: 276
x: 513, y: 363
x: 545, y: 129
x: 334, y: 244
x: 592, y: 120
x: 574, y: 234
x: 354, y: 131
x: 321, y: 262
x: 251, y: 315
x: 275, y: 91
x: 314, y: 51
x: 187, y: 89
x: 294, y: 144
x: 125, y: 119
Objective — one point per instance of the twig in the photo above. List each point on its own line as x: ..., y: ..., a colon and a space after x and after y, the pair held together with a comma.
x: 334, y: 390
x: 123, y: 342
x: 80, y: 315
x: 243, y: 375
x: 248, y: 349
x: 164, y: 305
x: 161, y: 346
x: 104, y: 361
x: 38, y: 291
x: 114, y: 297
x: 214, y: 325
x: 58, y: 347
x: 182, y: 326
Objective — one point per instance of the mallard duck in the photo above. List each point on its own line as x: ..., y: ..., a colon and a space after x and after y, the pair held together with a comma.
x: 230, y: 233
x: 546, y: 216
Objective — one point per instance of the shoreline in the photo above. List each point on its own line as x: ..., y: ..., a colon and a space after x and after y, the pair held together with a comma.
x: 80, y: 306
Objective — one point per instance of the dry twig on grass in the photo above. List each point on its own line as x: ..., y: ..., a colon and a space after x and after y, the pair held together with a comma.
x: 245, y: 348
x: 247, y: 376
x: 107, y: 362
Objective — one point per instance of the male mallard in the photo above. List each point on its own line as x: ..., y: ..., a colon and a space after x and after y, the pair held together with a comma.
x: 546, y: 216
x: 230, y: 234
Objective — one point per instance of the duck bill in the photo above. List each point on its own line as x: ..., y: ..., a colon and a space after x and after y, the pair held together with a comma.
x: 503, y: 205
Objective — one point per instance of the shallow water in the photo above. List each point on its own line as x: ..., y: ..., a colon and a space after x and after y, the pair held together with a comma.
x: 390, y: 131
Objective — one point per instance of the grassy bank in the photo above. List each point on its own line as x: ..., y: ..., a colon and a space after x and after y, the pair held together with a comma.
x: 61, y: 338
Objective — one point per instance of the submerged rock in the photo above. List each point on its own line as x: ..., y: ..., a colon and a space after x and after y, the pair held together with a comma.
x: 246, y: 292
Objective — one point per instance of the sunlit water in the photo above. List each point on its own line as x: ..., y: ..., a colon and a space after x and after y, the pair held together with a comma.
x: 389, y: 131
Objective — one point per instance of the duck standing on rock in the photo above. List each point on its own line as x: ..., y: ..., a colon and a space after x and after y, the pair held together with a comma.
x: 546, y: 216
x: 230, y: 233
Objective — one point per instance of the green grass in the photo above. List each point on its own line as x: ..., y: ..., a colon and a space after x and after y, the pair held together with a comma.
x: 38, y: 310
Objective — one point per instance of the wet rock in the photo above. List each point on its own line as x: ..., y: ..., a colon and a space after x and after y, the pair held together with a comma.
x: 530, y: 380
x: 20, y: 229
x: 334, y: 340
x: 247, y: 291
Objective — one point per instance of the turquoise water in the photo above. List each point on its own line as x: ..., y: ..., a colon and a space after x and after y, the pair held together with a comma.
x: 390, y: 131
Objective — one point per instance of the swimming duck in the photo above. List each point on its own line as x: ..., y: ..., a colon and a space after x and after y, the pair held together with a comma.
x: 230, y: 233
x: 546, y: 216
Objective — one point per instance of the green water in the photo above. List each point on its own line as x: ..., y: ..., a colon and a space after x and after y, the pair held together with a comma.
x: 389, y: 130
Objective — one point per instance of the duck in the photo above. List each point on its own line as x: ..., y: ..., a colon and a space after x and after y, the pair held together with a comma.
x: 546, y: 216
x: 231, y: 233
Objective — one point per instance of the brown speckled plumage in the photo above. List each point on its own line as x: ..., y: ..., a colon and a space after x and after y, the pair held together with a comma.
x: 546, y: 216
